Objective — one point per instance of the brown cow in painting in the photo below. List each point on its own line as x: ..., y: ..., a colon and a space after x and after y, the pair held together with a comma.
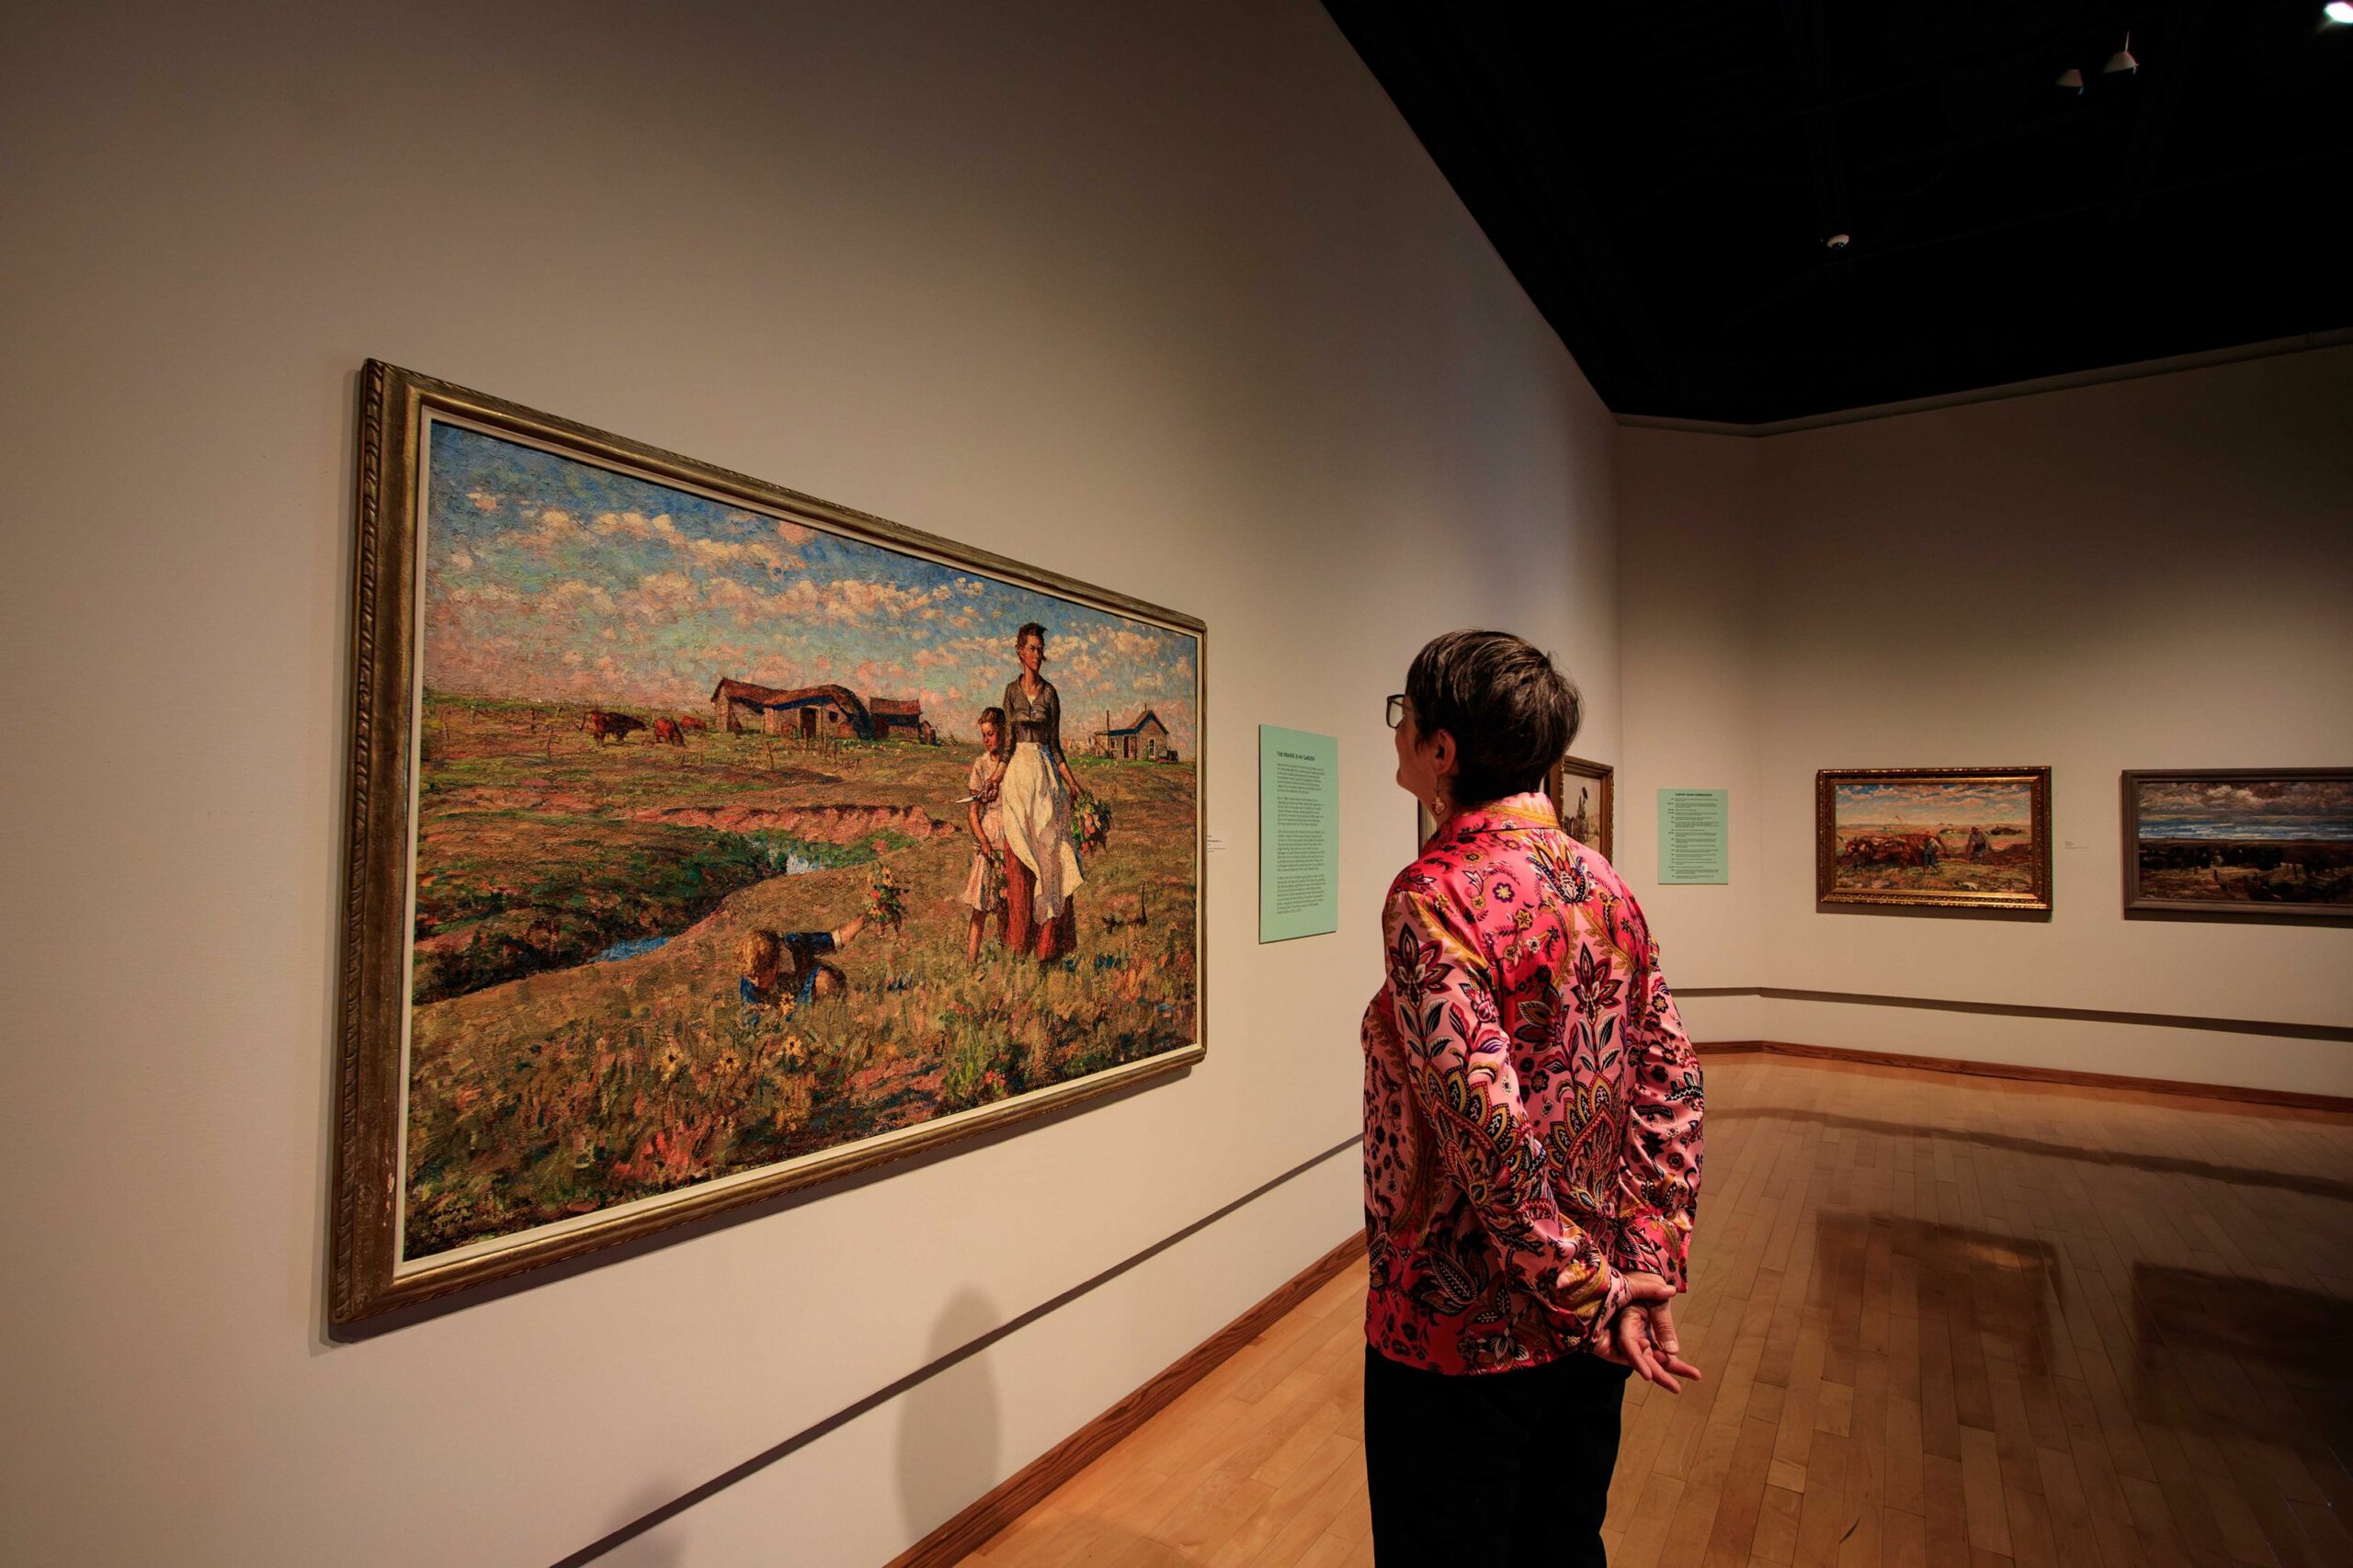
x: 1893, y: 849
x: 667, y: 733
x: 693, y: 723
x: 610, y: 726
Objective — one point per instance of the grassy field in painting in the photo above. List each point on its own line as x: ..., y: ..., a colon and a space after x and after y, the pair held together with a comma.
x: 543, y: 1084
x: 2253, y: 870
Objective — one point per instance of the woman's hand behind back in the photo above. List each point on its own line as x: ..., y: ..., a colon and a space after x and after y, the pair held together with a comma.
x: 1643, y: 1335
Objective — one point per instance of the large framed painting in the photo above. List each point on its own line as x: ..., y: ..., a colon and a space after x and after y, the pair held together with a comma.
x: 1937, y: 837
x: 708, y: 840
x: 1585, y: 794
x: 2229, y: 842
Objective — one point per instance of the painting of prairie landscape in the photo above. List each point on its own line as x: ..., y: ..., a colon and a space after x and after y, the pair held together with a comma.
x: 2240, y: 842
x: 691, y: 882
x: 1933, y: 837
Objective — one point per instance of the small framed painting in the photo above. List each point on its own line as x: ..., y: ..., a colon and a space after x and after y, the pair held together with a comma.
x: 2229, y: 842
x: 1934, y: 837
x: 1585, y: 794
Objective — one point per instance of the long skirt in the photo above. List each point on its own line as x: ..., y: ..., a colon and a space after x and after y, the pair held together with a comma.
x: 1023, y: 930
x: 1041, y: 871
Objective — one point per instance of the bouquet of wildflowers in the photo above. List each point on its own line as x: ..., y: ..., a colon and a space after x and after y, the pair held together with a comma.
x: 885, y: 906
x: 1090, y: 824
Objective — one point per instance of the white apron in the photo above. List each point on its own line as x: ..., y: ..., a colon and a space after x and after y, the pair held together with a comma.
x: 1037, y: 827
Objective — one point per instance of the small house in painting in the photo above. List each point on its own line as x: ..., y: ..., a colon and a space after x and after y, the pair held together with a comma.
x: 1146, y: 738
x: 897, y: 718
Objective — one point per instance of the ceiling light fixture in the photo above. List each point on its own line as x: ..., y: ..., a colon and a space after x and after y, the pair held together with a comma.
x: 2071, y: 79
x: 1839, y: 241
x: 2339, y: 13
x: 2122, y: 62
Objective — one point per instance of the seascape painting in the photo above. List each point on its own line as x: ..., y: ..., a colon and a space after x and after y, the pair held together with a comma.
x: 742, y: 839
x: 2238, y: 841
x: 1933, y: 837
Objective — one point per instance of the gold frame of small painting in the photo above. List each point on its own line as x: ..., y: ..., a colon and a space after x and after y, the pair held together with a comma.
x: 1933, y: 837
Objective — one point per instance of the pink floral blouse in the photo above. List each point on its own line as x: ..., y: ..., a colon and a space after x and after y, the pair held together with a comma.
x: 1531, y: 1103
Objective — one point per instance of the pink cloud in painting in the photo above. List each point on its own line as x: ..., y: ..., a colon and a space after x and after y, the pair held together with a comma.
x: 548, y: 577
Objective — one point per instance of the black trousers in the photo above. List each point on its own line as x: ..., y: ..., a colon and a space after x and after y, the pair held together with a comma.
x: 1504, y: 1470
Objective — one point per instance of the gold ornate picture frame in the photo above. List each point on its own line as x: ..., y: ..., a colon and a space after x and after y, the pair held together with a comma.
x: 665, y: 889
x: 1933, y: 837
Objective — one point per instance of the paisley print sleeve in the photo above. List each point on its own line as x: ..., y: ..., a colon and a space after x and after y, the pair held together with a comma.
x: 1458, y: 1062
x: 1658, y: 1181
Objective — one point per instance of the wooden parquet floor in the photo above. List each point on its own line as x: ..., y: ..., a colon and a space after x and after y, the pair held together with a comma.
x: 1952, y: 1322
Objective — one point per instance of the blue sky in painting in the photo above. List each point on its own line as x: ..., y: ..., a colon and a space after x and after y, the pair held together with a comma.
x: 548, y: 577
x: 1935, y: 803
x: 2249, y: 808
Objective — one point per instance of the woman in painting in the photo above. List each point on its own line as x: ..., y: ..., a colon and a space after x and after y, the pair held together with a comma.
x: 1531, y: 1145
x: 1034, y: 797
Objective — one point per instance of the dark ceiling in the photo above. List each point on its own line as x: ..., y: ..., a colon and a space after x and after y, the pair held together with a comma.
x: 1662, y: 175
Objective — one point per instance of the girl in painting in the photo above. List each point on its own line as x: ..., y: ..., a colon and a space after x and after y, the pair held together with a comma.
x: 984, y: 887
x: 1040, y: 867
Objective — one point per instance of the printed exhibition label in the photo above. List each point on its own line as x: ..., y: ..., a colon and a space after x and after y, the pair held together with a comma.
x: 1299, y: 834
x: 1694, y: 836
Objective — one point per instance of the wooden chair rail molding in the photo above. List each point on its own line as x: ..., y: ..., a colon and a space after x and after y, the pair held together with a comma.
x: 2338, y: 1102
x: 1023, y: 1490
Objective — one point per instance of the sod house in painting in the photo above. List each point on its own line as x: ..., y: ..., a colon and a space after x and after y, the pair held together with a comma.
x: 816, y: 712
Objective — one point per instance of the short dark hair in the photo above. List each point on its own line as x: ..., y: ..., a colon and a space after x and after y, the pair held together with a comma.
x: 1512, y: 714
x: 995, y: 716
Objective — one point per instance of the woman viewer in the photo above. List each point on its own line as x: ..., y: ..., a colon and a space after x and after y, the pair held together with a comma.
x: 1532, y: 1145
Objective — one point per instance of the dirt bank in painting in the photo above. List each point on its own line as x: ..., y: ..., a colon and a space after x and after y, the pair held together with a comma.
x: 568, y: 1085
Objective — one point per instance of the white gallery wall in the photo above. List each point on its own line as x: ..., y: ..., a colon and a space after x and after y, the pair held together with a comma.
x: 1164, y: 298
x: 2155, y: 573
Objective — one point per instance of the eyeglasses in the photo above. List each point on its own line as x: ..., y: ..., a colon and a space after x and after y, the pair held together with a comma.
x: 1396, y: 710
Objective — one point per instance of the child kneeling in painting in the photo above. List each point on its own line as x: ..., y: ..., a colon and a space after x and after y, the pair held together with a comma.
x: 784, y: 966
x: 984, y: 887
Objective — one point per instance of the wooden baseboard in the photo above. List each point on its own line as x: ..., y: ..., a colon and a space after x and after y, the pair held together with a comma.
x: 2234, y: 1092
x: 1022, y: 1491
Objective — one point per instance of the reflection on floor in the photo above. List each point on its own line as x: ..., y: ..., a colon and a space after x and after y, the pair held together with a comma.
x: 1946, y: 1321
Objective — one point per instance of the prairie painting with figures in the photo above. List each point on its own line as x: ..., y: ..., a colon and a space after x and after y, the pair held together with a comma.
x: 1933, y: 837
x: 739, y: 837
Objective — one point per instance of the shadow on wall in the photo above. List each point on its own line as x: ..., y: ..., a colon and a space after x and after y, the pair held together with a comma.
x: 655, y: 1549
x: 948, y: 1424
